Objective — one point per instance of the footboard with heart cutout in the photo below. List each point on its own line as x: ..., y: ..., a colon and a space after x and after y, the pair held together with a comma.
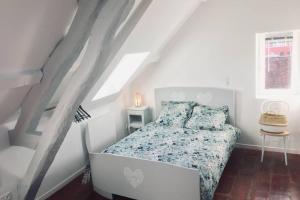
x: 143, y: 179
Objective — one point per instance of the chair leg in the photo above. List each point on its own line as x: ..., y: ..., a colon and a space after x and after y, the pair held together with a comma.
x: 285, y: 151
x: 263, y: 148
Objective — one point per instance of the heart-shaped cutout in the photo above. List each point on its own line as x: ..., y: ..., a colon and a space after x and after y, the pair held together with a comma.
x: 204, y: 98
x: 135, y: 178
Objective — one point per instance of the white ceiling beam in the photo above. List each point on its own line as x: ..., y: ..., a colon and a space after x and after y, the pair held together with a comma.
x: 120, y: 40
x: 20, y: 79
x: 55, y: 69
x: 31, y: 140
x: 94, y: 63
x: 155, y: 29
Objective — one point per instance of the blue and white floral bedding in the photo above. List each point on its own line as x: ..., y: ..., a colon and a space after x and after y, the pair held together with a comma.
x: 207, y: 151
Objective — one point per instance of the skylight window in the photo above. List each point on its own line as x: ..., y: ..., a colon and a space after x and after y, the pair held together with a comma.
x: 121, y: 74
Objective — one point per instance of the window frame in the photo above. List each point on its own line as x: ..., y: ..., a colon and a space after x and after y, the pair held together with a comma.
x: 126, y: 60
x: 261, y: 91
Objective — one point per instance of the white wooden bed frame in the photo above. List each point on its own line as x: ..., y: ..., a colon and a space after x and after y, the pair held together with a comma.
x: 152, y: 180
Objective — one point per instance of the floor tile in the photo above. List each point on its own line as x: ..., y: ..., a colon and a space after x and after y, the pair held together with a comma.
x: 279, y: 183
x: 294, y: 191
x: 241, y: 187
x: 261, y: 186
x: 225, y: 185
x: 280, y: 168
x: 259, y: 195
x: 221, y: 197
x: 295, y: 176
x: 244, y: 178
x: 279, y: 196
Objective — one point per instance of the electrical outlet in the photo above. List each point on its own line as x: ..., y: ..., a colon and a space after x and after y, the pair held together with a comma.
x: 227, y: 81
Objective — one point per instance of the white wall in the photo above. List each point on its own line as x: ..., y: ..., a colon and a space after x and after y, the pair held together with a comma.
x: 117, y: 105
x: 216, y: 47
x: 72, y: 155
x: 29, y: 32
x: 68, y: 163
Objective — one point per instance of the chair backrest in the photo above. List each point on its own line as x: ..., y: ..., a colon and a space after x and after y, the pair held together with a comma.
x: 100, y: 133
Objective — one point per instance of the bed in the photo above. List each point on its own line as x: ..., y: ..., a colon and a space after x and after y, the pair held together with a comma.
x: 159, y: 162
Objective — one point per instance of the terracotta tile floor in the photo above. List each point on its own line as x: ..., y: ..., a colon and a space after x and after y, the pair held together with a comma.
x: 244, y: 177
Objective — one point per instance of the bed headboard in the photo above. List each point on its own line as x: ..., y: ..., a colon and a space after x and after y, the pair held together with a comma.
x: 202, y: 95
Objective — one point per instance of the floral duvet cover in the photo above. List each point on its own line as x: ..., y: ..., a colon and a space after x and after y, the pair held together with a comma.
x: 207, y: 151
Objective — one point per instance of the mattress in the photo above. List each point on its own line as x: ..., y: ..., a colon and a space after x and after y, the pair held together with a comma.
x: 207, y: 151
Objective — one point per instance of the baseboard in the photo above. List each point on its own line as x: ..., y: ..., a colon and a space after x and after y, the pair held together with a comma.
x: 61, y: 184
x: 273, y: 149
x: 103, y: 193
x: 80, y: 171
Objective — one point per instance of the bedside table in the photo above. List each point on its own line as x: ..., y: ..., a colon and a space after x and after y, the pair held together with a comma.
x: 284, y: 135
x: 138, y: 117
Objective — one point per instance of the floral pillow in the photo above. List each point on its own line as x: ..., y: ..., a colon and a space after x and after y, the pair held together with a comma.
x: 175, y: 114
x: 206, y: 118
x: 224, y: 109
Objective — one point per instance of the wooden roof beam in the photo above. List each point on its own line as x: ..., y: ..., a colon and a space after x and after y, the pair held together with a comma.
x: 20, y: 79
x: 94, y: 62
x: 55, y: 69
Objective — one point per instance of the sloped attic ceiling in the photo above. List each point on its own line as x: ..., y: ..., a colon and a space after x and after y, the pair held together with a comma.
x: 156, y: 27
x: 76, y: 65
x: 29, y: 32
x: 37, y: 26
x: 154, y: 30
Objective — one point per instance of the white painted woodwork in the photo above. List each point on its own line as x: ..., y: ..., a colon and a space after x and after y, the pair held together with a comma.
x: 135, y: 14
x: 160, y: 22
x: 137, y: 3
x: 29, y: 140
x: 62, y: 86
x: 69, y: 161
x: 55, y: 69
x: 10, y: 101
x: 137, y: 117
x: 153, y: 180
x: 100, y: 132
x: 14, y: 80
x: 4, y: 139
x: 68, y: 164
x: 263, y: 148
x: 94, y: 63
x: 285, y: 134
x: 14, y: 163
x: 216, y: 48
x: 143, y: 179
x: 202, y: 95
x: 29, y: 31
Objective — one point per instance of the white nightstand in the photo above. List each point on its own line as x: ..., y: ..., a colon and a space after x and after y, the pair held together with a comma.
x: 138, y: 117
